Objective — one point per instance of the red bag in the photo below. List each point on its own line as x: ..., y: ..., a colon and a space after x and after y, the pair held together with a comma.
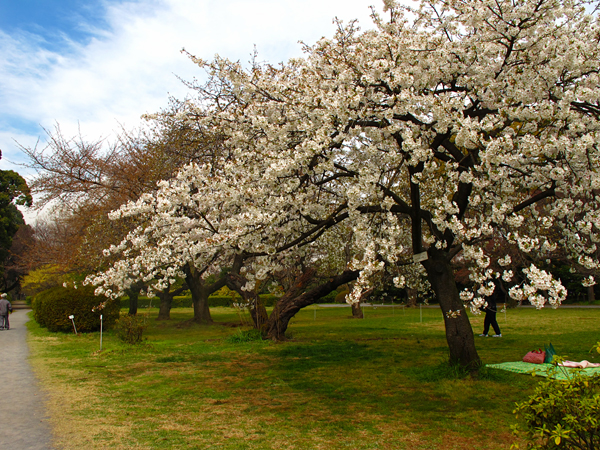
x: 535, y: 357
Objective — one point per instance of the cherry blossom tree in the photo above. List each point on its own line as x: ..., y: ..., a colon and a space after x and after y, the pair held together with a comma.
x: 179, y: 236
x: 81, y: 181
x: 435, y: 132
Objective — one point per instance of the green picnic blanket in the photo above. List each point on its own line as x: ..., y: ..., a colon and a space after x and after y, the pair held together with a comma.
x: 542, y: 369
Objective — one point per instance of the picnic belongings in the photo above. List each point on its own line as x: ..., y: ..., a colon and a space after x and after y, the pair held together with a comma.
x: 535, y: 357
x: 550, y: 353
x: 547, y: 355
x: 542, y: 363
x: 540, y: 356
x: 582, y: 365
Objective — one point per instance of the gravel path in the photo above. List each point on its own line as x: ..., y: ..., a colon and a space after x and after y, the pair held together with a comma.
x: 23, y: 419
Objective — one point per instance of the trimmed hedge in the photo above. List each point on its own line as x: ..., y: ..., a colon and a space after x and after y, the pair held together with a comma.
x: 52, y: 308
x: 145, y: 302
x: 186, y: 302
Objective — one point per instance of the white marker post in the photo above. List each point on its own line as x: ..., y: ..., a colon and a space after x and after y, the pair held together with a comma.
x: 100, y: 332
x: 72, y: 317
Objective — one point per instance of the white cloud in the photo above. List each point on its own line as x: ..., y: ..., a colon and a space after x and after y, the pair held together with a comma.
x: 9, y: 139
x: 131, y: 68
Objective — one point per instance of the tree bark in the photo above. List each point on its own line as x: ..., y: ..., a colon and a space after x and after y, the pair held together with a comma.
x: 164, y: 309
x: 412, y: 297
x: 288, y: 305
x: 591, y: 295
x: 200, y: 293
x: 166, y: 301
x: 459, y: 333
x: 133, y: 293
x: 357, y: 312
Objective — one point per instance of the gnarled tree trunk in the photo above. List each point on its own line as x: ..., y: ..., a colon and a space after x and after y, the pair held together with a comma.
x: 357, y: 312
x: 200, y: 292
x: 166, y: 301
x: 459, y: 333
x: 288, y: 305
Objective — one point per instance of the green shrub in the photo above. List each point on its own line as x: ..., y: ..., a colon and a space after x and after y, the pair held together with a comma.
x: 186, y: 301
x: 269, y: 299
x: 143, y: 302
x: 561, y: 415
x: 130, y: 328
x: 245, y: 336
x: 35, y: 307
x: 52, y: 308
x: 329, y: 298
x: 182, y: 302
x: 221, y: 301
x: 340, y: 297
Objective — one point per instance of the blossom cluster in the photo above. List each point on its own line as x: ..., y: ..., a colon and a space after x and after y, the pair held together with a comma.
x: 444, y: 129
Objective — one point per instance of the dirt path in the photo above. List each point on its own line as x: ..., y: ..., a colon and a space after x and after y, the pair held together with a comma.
x: 23, y: 419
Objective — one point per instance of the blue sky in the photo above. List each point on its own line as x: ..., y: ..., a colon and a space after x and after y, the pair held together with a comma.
x: 52, y: 20
x: 96, y: 65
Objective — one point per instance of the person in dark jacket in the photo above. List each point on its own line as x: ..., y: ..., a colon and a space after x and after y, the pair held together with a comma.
x: 490, y: 312
x: 5, y: 310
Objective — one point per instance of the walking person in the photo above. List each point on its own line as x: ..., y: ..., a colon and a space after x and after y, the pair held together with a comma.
x: 5, y: 310
x: 490, y: 312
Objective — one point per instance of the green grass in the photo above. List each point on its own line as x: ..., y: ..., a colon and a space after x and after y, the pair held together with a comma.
x: 339, y: 383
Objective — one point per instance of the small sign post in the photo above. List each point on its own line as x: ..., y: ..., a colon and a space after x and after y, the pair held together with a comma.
x: 100, y: 332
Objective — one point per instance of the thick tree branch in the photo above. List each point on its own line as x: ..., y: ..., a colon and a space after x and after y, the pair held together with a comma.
x: 551, y: 192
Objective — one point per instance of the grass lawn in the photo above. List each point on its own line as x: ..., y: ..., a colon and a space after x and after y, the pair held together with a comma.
x: 339, y: 383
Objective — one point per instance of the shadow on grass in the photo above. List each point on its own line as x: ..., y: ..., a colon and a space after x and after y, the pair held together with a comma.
x: 305, y: 357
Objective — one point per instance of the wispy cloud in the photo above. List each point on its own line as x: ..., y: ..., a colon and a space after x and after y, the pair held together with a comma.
x: 128, y: 66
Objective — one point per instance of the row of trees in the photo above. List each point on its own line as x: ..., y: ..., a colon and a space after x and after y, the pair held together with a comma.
x: 453, y: 135
x: 14, y: 234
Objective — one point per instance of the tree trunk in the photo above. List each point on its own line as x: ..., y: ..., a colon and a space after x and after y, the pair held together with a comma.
x: 166, y: 301
x: 288, y: 305
x: 133, y: 293
x: 164, y: 310
x: 199, y: 295
x: 357, y: 312
x: 412, y: 297
x: 201, y: 308
x: 591, y: 295
x: 459, y: 333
